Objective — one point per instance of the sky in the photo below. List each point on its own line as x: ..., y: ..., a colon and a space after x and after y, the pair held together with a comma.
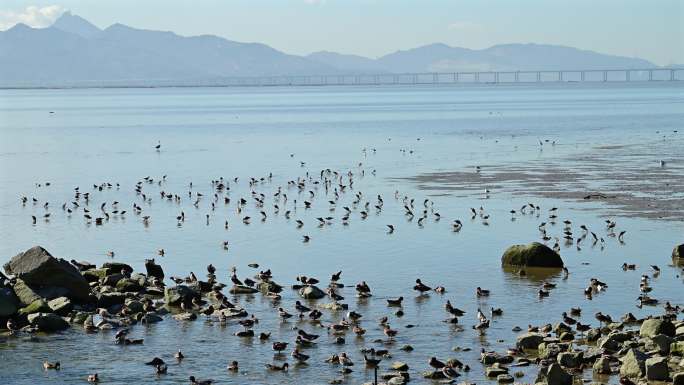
x: 650, y: 29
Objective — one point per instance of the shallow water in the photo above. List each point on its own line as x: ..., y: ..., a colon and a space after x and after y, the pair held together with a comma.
x: 96, y: 136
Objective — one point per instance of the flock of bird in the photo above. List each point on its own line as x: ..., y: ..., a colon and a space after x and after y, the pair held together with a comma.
x: 336, y: 192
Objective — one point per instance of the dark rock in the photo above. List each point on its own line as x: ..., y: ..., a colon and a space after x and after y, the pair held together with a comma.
x: 269, y: 287
x: 678, y: 254
x: 505, y: 379
x: 241, y: 289
x: 107, y: 300
x: 656, y: 369
x: 311, y: 292
x: 570, y: 359
x: 47, y: 322
x: 529, y: 340
x: 534, y: 254
x: 36, y: 267
x: 9, y: 303
x: 118, y: 267
x: 678, y: 379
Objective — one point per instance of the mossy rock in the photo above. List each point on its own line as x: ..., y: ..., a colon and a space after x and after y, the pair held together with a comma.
x: 534, y: 254
x: 36, y: 306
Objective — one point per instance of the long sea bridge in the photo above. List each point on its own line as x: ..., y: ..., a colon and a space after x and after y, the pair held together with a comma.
x: 486, y: 77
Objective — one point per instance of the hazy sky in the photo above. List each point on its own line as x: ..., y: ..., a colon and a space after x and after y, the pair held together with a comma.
x: 652, y: 29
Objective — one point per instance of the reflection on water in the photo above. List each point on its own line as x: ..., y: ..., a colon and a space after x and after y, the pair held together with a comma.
x: 98, y: 136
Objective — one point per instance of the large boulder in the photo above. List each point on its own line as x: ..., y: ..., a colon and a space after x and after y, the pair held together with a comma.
x: 37, y: 268
x: 633, y: 364
x: 571, y: 359
x: 554, y: 375
x: 47, y: 322
x: 678, y: 254
x: 656, y: 369
x: 652, y: 327
x: 311, y: 292
x: 153, y: 269
x: 530, y: 340
x: 118, y: 267
x: 8, y: 302
x: 534, y: 254
x: 269, y: 287
x: 175, y: 295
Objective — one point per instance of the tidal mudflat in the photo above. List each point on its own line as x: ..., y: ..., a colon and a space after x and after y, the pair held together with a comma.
x: 290, y: 226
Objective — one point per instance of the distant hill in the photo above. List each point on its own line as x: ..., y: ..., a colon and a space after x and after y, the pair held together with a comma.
x: 73, y: 51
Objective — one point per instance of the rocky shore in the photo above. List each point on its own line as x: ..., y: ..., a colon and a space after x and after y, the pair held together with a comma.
x: 41, y: 293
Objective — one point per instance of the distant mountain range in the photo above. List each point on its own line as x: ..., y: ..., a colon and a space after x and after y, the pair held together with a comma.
x: 73, y: 51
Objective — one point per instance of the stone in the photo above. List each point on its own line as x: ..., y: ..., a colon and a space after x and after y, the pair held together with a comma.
x: 400, y: 366
x: 134, y: 305
x: 505, y: 379
x: 570, y: 359
x: 128, y: 285
x: 311, y: 292
x: 36, y: 266
x: 150, y: 318
x: 60, y: 305
x: 434, y: 375
x: 534, y: 254
x: 602, y: 365
x: 495, y: 371
x: 656, y: 369
x: 529, y: 340
x: 9, y: 303
x: 242, y: 289
x: 36, y: 306
x: 554, y: 375
x: 614, y: 340
x: 153, y: 269
x: 633, y: 364
x: 677, y: 348
x: 94, y: 275
x: 180, y: 293
x: 678, y: 379
x: 678, y: 254
x: 661, y: 343
x: 47, y: 322
x: 652, y: 327
x: 117, y: 267
x: 107, y: 300
x: 24, y: 293
x: 567, y: 336
x: 187, y: 316
x: 269, y: 287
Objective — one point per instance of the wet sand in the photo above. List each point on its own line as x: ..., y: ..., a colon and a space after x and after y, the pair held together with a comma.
x: 626, y: 179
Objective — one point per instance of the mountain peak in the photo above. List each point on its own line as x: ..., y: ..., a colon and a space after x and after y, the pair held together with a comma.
x: 75, y: 24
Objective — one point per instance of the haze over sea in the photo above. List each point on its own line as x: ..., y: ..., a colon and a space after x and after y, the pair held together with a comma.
x: 386, y: 136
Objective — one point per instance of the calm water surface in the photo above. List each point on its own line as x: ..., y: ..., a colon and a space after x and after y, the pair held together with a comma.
x: 79, y: 138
